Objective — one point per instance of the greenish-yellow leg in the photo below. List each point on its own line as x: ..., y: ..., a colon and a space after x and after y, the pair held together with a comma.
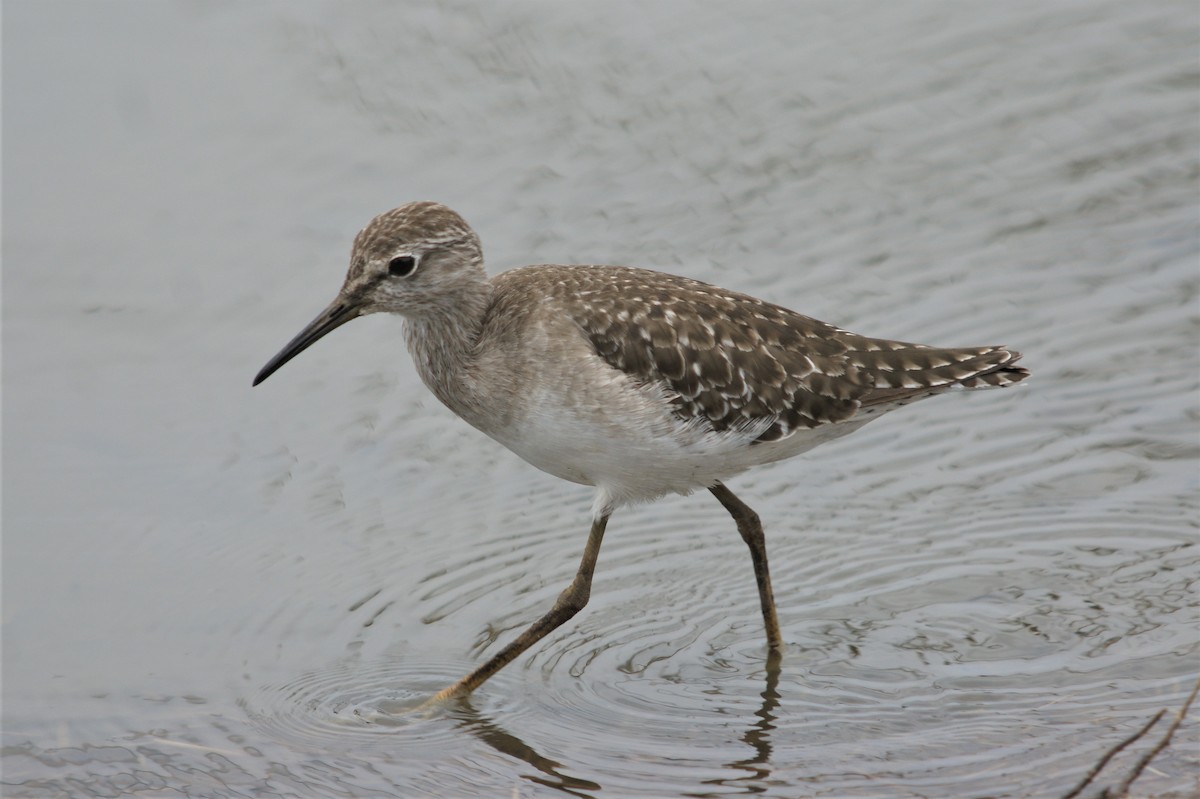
x: 751, y: 530
x: 569, y: 602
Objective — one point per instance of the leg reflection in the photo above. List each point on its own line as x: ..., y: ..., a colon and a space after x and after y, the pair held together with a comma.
x: 489, y: 732
x: 757, y: 768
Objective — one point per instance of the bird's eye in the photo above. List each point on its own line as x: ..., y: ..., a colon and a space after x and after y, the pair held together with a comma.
x: 402, y: 266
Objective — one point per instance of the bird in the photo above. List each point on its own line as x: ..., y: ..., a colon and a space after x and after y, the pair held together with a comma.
x: 635, y: 382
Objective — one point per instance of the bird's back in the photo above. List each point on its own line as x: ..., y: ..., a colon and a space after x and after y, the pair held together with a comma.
x: 730, y: 362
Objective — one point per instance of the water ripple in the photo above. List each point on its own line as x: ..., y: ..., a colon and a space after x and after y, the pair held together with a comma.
x: 354, y: 707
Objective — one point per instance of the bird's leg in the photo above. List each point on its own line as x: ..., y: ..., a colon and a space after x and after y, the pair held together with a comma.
x: 569, y: 602
x: 752, y: 533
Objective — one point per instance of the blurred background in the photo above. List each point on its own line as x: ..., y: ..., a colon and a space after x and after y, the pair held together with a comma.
x: 212, y: 591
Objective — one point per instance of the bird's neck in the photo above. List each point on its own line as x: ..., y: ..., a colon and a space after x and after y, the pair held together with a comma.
x: 444, y: 342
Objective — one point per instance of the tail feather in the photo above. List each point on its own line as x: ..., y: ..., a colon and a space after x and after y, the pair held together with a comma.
x: 980, y: 367
x: 1006, y: 374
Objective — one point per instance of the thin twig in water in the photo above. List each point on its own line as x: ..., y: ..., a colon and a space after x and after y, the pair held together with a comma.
x: 1096, y: 769
x: 1123, y: 791
x: 1161, y: 745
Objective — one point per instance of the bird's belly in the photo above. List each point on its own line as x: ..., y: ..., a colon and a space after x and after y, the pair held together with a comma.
x: 639, y: 462
x: 597, y: 426
x: 633, y: 468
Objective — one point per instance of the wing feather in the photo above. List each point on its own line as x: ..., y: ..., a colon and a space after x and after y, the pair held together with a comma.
x: 731, y: 361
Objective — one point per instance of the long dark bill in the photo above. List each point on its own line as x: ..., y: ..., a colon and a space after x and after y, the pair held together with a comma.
x: 337, y: 314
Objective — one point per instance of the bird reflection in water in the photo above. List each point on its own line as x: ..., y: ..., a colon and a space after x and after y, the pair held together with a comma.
x: 753, y: 772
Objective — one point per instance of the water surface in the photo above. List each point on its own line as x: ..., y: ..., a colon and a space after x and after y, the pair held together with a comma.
x: 211, y: 591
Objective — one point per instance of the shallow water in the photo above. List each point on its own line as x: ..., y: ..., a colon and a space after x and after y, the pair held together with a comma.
x: 211, y: 591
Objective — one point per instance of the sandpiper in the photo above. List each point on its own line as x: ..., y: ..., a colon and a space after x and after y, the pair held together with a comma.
x: 635, y: 382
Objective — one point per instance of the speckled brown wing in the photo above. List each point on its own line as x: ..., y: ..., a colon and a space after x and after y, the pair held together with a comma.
x: 737, y: 362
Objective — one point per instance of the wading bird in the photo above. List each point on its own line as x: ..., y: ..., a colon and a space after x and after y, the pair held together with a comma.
x: 635, y: 382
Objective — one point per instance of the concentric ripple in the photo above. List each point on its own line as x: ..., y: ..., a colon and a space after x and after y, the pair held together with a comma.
x: 965, y: 634
x: 352, y: 706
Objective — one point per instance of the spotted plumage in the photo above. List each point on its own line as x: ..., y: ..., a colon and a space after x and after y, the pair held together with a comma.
x: 732, y: 360
x: 636, y: 382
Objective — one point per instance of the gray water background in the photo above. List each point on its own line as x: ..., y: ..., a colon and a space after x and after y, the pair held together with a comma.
x: 207, y: 589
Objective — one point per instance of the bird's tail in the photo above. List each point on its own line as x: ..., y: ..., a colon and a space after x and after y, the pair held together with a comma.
x: 1004, y: 373
x: 922, y: 371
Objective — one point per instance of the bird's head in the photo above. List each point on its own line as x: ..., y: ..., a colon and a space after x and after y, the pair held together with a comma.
x: 417, y: 260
